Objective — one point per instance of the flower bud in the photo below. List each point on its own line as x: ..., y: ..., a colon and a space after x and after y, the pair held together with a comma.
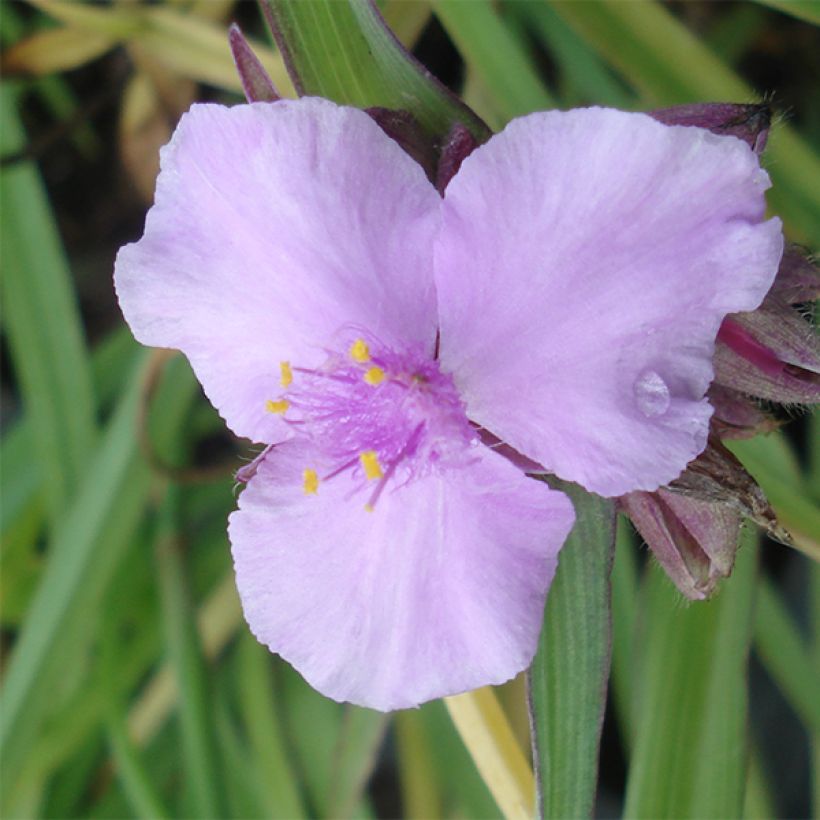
x: 749, y: 123
x: 694, y: 541
x: 771, y: 353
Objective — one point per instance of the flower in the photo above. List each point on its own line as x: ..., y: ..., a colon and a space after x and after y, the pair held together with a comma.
x: 563, y: 297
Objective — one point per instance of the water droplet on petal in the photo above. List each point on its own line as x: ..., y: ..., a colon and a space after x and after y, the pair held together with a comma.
x: 651, y: 394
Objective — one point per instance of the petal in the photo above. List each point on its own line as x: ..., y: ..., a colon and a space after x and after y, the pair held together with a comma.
x: 585, y: 262
x: 439, y: 590
x: 275, y: 224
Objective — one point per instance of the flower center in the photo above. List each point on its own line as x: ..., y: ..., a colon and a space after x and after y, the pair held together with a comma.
x: 385, y: 415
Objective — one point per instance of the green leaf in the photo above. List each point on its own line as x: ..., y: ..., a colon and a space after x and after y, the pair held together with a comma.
x: 786, y: 655
x: 198, y: 744
x: 420, y: 783
x: 342, y: 50
x: 91, y: 540
x: 808, y: 10
x: 568, y: 678
x: 496, y: 55
x: 279, y: 785
x: 356, y: 755
x: 331, y: 744
x: 584, y: 72
x: 453, y: 764
x: 624, y: 617
x: 62, y: 581
x: 691, y: 747
x: 774, y: 466
x: 130, y: 767
x: 43, y: 325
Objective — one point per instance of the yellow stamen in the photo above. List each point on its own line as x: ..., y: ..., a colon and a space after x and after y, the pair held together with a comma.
x: 278, y: 407
x: 369, y: 508
x: 311, y: 481
x: 287, y: 374
x: 359, y: 351
x: 374, y: 376
x: 370, y: 462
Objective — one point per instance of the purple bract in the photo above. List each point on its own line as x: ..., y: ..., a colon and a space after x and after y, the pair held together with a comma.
x: 562, y: 299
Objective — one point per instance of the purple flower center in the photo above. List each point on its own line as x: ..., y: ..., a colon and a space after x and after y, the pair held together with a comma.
x: 384, y: 414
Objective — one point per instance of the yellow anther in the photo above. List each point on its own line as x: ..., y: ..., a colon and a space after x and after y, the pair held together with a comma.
x: 374, y: 376
x: 278, y: 407
x: 287, y: 374
x: 359, y: 351
x: 311, y: 481
x: 369, y: 508
x: 370, y: 462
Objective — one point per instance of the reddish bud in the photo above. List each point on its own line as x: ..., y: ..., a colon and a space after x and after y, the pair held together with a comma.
x: 716, y: 476
x: 405, y: 129
x: 749, y: 123
x: 772, y: 353
x: 460, y: 143
x: 737, y: 416
x: 256, y: 83
x: 694, y: 541
x: 798, y: 278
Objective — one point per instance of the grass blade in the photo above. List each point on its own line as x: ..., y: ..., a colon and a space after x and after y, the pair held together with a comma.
x: 43, y: 325
x: 624, y: 617
x: 63, y: 580
x: 691, y: 746
x: 496, y: 55
x: 786, y: 656
x: 185, y: 653
x: 489, y: 738
x: 568, y: 678
x: 356, y: 755
x: 280, y: 791
x: 342, y: 50
x: 808, y: 10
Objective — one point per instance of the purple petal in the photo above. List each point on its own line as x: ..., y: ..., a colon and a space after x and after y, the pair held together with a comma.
x: 585, y: 264
x: 439, y: 590
x: 274, y: 224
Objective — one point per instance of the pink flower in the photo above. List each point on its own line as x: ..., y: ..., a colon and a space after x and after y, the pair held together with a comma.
x: 564, y: 296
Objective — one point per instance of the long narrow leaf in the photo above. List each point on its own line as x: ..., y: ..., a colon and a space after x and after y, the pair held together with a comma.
x: 43, y: 324
x: 280, y: 790
x: 186, y: 656
x: 498, y: 57
x: 787, y: 656
x: 342, y: 50
x: 568, y: 679
x: 70, y: 557
x: 691, y: 746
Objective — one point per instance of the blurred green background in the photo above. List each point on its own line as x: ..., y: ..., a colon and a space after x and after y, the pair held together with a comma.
x: 131, y: 686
